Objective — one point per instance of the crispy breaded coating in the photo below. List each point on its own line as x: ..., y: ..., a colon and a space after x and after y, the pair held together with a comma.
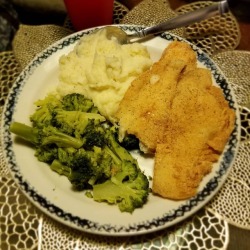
x: 144, y: 109
x: 201, y: 123
x: 176, y: 111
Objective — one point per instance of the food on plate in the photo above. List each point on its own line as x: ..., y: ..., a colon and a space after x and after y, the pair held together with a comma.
x: 75, y: 140
x: 170, y: 109
x: 128, y: 187
x: 102, y: 70
x: 178, y: 114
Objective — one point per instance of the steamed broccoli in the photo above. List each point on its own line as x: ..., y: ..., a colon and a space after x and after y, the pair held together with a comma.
x: 45, y: 111
x: 112, y: 143
x: 129, y: 189
x: 51, y: 105
x: 95, y: 134
x: 78, y: 168
x: 46, y: 153
x: 76, y: 141
x: 83, y: 168
x: 128, y: 186
x: 75, y: 122
x: 44, y: 136
x: 78, y: 102
x: 130, y: 142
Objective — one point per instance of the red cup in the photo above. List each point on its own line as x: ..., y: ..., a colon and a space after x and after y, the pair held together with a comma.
x: 89, y: 13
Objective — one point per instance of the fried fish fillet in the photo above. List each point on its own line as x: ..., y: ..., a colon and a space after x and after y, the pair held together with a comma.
x: 176, y: 112
x: 144, y: 110
x: 201, y: 123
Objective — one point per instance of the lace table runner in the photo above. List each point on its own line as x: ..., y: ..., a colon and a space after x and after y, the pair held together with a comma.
x: 24, y: 227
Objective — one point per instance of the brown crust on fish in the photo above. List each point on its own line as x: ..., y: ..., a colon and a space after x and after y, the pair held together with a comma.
x: 176, y: 111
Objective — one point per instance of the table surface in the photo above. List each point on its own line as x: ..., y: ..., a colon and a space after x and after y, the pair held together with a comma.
x: 239, y: 238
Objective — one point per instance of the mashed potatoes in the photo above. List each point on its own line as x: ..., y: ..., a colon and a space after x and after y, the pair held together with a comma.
x: 102, y: 70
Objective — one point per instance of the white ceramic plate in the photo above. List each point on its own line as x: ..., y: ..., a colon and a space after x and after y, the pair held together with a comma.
x: 53, y: 194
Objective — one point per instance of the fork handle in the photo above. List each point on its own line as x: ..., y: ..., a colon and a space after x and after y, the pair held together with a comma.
x: 187, y: 19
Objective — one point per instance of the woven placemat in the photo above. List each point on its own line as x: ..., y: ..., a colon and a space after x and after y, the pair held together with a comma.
x: 151, y: 12
x: 216, y: 34
x: 233, y: 200
x: 9, y: 71
x: 30, y: 40
x: 34, y: 230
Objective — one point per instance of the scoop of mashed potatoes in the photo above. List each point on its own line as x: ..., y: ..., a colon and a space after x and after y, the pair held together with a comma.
x: 102, y: 70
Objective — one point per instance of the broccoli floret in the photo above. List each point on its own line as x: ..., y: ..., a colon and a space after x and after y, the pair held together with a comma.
x: 94, y: 134
x: 78, y: 174
x: 129, y: 188
x: 76, y: 141
x: 45, y: 111
x: 130, y: 142
x: 101, y: 165
x: 51, y: 105
x: 65, y: 155
x: 82, y: 165
x: 78, y: 102
x: 46, y: 153
x: 60, y: 168
x: 44, y: 136
x: 75, y: 122
x: 90, y: 167
x: 121, y: 152
x: 86, y: 167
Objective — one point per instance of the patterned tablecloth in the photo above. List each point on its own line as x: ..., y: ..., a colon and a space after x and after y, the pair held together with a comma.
x: 25, y: 227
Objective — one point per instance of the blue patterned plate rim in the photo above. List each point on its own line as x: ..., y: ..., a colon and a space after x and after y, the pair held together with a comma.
x: 134, y: 227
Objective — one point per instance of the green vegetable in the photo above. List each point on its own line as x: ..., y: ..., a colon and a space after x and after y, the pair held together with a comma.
x: 75, y: 122
x: 45, y: 111
x: 46, y: 153
x: 78, y: 102
x: 86, y: 167
x: 130, y: 142
x: 44, y: 136
x: 95, y: 134
x: 128, y: 187
x: 78, y: 170
x: 78, y: 142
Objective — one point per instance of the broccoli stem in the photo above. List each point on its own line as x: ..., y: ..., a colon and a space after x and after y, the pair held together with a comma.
x: 61, y: 169
x: 62, y: 140
x: 26, y: 132
x: 108, y: 191
x: 115, y: 158
x: 45, y: 136
x: 118, y: 150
